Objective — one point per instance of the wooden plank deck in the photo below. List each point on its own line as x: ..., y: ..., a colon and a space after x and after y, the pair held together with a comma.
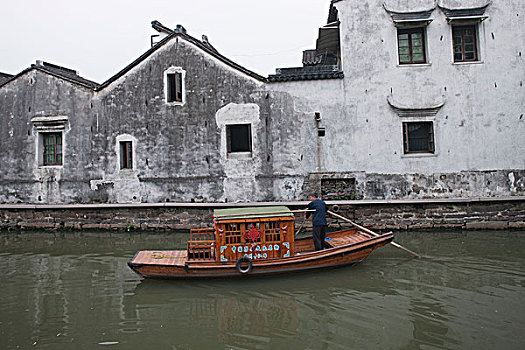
x: 161, y: 257
x: 350, y: 239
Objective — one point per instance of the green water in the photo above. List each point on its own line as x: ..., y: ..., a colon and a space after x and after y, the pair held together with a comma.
x: 75, y: 291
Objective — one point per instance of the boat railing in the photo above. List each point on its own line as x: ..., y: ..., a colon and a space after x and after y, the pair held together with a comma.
x: 201, y: 245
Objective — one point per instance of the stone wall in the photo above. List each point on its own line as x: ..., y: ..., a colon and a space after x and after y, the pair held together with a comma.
x: 382, y: 215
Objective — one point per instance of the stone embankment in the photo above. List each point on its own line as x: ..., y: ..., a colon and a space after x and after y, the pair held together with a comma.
x: 473, y: 213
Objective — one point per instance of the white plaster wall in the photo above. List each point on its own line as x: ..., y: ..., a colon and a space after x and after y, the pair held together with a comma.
x: 478, y: 128
x: 240, y: 183
x: 481, y: 124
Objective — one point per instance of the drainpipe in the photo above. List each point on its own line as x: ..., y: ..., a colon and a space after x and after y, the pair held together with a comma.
x: 320, y: 134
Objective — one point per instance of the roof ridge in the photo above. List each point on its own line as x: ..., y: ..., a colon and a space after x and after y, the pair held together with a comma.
x: 179, y: 33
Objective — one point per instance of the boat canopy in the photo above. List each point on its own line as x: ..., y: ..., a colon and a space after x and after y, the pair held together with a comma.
x: 251, y: 213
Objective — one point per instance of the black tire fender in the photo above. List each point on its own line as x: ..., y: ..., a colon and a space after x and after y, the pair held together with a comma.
x: 243, y: 259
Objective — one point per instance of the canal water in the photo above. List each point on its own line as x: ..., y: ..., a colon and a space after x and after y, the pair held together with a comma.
x: 75, y: 291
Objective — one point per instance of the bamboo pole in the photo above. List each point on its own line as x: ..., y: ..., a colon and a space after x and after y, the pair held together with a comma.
x: 373, y: 233
x: 274, y: 212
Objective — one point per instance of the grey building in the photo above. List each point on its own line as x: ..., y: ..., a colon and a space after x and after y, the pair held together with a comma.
x: 399, y: 99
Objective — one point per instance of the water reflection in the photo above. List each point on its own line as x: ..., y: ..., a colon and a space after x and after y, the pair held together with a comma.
x: 65, y: 290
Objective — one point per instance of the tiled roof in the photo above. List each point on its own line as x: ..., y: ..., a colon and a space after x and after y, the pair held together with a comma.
x: 64, y: 73
x: 464, y: 12
x: 57, y: 71
x: 4, y: 77
x: 306, y: 73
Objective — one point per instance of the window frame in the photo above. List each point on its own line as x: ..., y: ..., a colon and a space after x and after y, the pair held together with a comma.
x: 431, y: 145
x: 56, y: 153
x: 249, y: 140
x: 175, y: 86
x: 412, y: 30
x: 126, y: 155
x: 463, y: 27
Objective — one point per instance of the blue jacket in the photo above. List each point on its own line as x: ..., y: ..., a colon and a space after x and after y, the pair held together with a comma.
x: 319, y: 218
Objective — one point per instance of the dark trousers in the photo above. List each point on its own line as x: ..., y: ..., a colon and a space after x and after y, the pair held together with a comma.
x: 319, y: 235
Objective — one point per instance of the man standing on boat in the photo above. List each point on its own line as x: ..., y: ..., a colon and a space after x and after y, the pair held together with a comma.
x: 318, y: 220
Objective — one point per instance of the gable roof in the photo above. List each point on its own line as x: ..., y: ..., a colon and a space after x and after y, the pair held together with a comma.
x: 180, y: 32
x: 56, y: 71
x: 73, y: 77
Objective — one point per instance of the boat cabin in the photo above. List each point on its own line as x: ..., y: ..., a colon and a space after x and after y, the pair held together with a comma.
x: 257, y: 233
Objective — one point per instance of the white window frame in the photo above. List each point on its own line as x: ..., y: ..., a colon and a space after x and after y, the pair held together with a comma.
x: 43, y: 125
x: 239, y: 154
x: 175, y: 70
x: 133, y: 140
x: 410, y: 26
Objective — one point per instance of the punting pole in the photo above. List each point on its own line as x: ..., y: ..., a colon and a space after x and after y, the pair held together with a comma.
x: 373, y: 233
x: 300, y: 228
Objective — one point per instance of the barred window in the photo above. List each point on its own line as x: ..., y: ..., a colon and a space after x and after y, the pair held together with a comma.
x: 272, y: 231
x: 232, y: 233
x: 418, y: 137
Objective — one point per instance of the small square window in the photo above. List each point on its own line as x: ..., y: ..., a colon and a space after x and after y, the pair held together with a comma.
x: 52, y: 148
x: 465, y: 43
x: 418, y: 137
x: 126, y: 155
x: 239, y: 138
x: 411, y: 45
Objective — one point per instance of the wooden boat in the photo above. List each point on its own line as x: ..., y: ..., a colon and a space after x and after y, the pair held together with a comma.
x: 255, y: 241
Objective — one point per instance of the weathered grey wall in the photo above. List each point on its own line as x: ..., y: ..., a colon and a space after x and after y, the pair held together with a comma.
x: 181, y: 150
x: 21, y: 179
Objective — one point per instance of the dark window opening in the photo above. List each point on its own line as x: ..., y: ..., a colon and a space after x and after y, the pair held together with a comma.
x: 52, y: 148
x: 418, y: 137
x: 239, y: 138
x: 321, y: 132
x: 465, y: 43
x: 126, y: 155
x: 174, y: 87
x: 411, y: 45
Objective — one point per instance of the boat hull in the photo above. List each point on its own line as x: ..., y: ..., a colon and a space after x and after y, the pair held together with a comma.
x: 180, y: 268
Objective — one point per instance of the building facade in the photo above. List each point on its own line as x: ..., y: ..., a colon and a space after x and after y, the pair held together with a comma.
x: 399, y: 100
